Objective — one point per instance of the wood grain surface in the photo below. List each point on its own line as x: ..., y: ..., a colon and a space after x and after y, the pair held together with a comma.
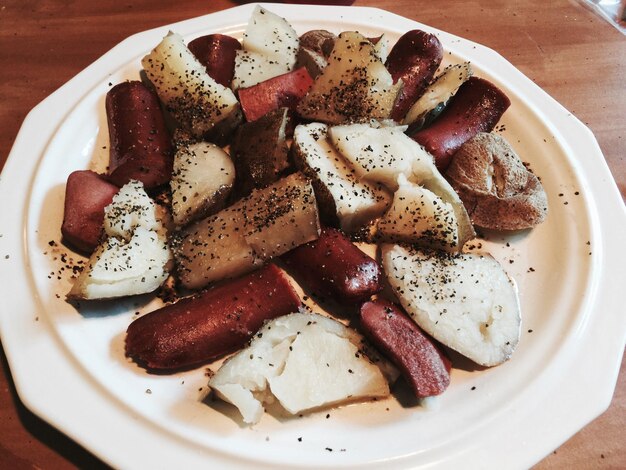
x: 575, y: 56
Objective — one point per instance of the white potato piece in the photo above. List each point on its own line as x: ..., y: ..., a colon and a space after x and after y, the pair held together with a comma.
x: 338, y: 191
x: 303, y: 360
x: 465, y: 301
x: 202, y: 178
x: 443, y: 87
x: 419, y: 216
x: 134, y: 257
x: 195, y: 100
x: 269, y: 48
x: 355, y: 85
x: 118, y: 268
x: 130, y: 208
x: 267, y: 223
x: 381, y: 153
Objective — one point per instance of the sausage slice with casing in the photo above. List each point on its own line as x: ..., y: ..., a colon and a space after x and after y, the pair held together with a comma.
x: 425, y: 368
x: 220, y: 320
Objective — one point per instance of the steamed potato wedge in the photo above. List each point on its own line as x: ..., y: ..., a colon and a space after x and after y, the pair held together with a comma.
x: 305, y: 361
x: 202, y: 179
x: 270, y: 46
x: 267, y: 223
x: 343, y: 200
x: 195, y: 100
x: 354, y: 86
x: 133, y: 259
x: 465, y: 301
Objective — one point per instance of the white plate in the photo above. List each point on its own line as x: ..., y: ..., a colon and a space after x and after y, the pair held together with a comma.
x: 69, y: 367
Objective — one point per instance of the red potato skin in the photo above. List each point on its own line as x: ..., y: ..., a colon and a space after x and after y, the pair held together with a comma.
x: 476, y: 107
x: 86, y: 195
x: 217, y: 53
x: 414, y: 59
x: 333, y: 266
x: 283, y: 91
x: 218, y: 321
x: 423, y: 365
x: 140, y: 146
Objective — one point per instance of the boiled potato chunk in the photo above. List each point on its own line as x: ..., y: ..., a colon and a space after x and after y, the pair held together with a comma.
x: 381, y: 153
x: 443, y: 88
x: 340, y: 194
x: 194, y: 99
x: 465, y: 301
x: 203, y: 177
x: 270, y: 46
x: 302, y: 360
x: 133, y: 259
x: 355, y: 85
x: 267, y: 223
x: 419, y: 216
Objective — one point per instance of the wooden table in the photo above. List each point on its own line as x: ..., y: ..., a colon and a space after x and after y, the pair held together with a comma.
x: 575, y: 56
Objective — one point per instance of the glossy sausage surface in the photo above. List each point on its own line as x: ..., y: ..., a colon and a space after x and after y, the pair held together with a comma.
x: 476, y: 107
x: 217, y: 53
x: 86, y: 195
x: 333, y: 266
x: 414, y: 59
x: 424, y: 367
x: 140, y: 146
x: 218, y: 321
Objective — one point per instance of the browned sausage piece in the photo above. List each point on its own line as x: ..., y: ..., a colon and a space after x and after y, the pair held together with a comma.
x: 476, y: 107
x: 220, y: 320
x: 424, y: 367
x: 140, y: 146
x: 86, y: 195
x: 217, y: 53
x: 414, y: 59
x: 333, y: 266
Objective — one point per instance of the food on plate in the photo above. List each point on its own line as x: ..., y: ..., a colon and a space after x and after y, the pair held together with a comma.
x: 270, y: 46
x: 195, y: 100
x: 333, y: 267
x: 140, y: 147
x: 261, y: 151
x: 355, y: 167
x: 380, y: 152
x: 419, y: 216
x: 239, y: 238
x: 422, y: 364
x: 466, y: 301
x: 134, y: 257
x: 476, y: 107
x: 86, y: 195
x: 202, y: 179
x: 284, y: 90
x: 343, y: 199
x: 354, y: 86
x: 315, y: 48
x: 217, y: 321
x: 304, y: 361
x: 217, y: 53
x: 413, y: 59
x: 438, y: 94
x: 498, y: 191
x: 425, y: 209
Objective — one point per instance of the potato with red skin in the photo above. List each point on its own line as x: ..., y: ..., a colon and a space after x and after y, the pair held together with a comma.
x: 333, y: 266
x: 285, y: 90
x: 217, y: 53
x: 414, y: 59
x: 140, y: 146
x: 86, y: 195
x: 476, y: 107
x: 424, y: 367
x: 216, y: 322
